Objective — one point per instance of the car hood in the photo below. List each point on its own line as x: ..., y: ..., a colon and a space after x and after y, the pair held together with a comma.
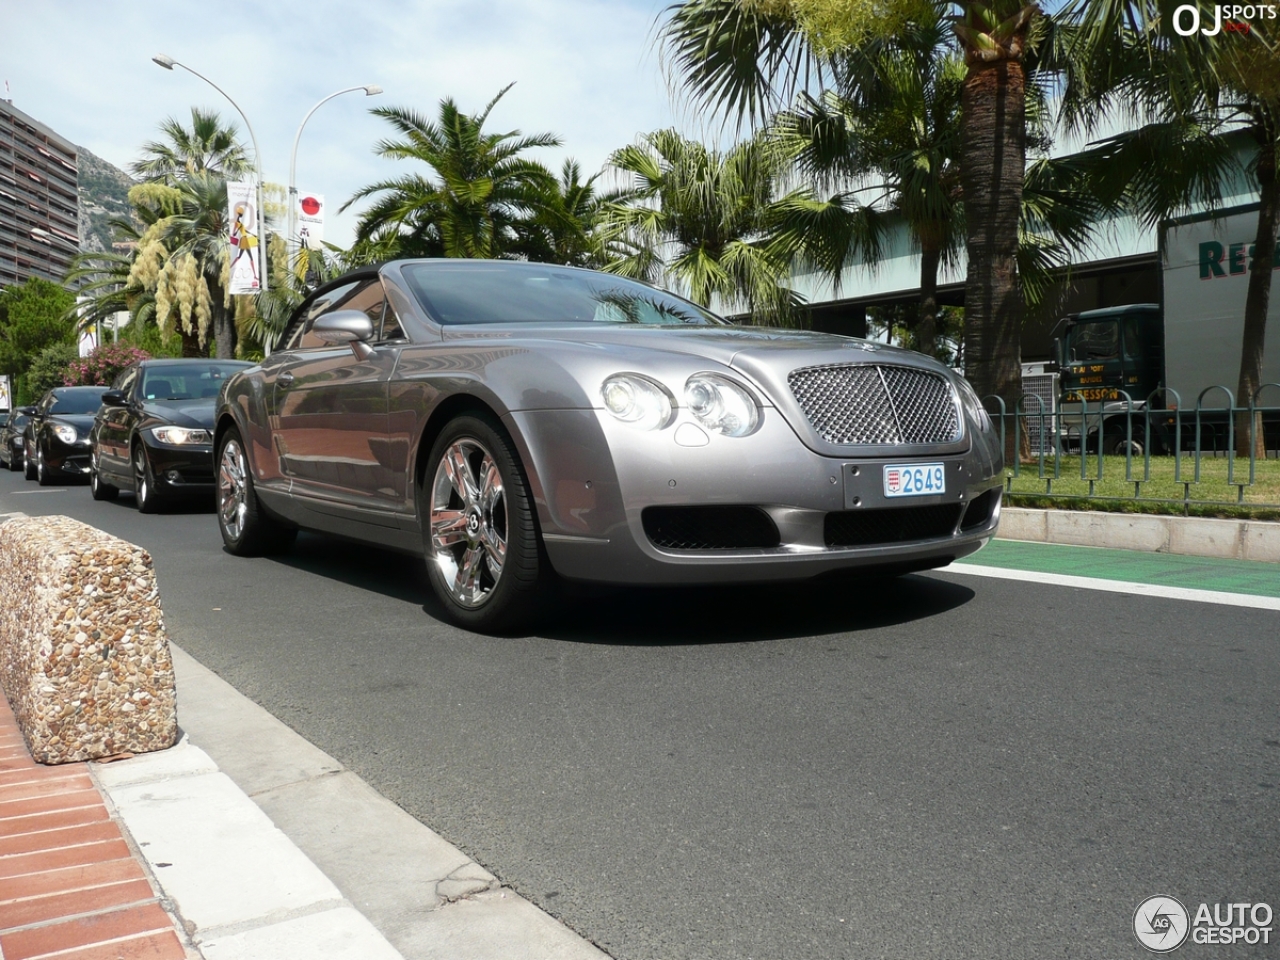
x: 781, y: 349
x: 181, y: 413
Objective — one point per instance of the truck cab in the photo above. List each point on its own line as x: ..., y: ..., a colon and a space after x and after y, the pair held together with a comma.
x: 1103, y: 356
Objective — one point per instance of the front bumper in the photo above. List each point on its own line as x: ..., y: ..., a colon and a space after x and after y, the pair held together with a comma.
x: 67, y: 458
x: 596, y: 476
x: 178, y: 468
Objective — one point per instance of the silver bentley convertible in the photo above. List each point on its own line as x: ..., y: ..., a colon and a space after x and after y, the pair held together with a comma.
x: 515, y: 422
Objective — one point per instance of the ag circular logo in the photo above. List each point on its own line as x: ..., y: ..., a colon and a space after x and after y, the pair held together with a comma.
x: 1161, y: 924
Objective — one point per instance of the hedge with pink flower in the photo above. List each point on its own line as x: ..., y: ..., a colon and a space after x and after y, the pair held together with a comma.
x: 102, y: 364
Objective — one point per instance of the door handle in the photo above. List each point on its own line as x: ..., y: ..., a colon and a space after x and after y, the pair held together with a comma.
x: 285, y: 378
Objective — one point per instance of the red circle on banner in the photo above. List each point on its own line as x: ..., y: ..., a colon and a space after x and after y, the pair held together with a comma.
x: 310, y: 206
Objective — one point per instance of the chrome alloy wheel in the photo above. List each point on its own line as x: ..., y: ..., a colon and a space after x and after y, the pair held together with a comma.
x: 232, y: 493
x: 468, y: 522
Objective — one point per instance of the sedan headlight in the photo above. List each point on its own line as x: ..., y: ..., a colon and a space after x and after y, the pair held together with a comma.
x: 721, y: 405
x: 972, y: 405
x: 636, y: 399
x: 64, y: 432
x: 181, y: 435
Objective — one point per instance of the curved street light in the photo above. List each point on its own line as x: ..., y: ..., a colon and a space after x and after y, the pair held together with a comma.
x: 169, y: 63
x: 370, y: 90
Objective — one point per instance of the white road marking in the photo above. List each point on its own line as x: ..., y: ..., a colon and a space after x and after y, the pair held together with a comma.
x: 1120, y: 586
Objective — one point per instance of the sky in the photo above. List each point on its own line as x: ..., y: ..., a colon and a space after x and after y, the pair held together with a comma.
x: 585, y: 70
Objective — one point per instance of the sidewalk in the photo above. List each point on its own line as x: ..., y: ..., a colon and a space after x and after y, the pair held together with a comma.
x: 70, y: 885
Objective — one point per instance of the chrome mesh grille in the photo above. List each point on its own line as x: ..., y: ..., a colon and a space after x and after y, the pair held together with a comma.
x: 876, y: 404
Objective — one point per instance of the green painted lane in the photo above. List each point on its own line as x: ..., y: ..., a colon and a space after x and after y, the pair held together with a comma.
x: 1131, y: 566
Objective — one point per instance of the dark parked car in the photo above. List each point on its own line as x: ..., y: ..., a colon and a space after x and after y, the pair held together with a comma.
x: 154, y: 433
x: 15, y: 422
x: 516, y: 421
x: 56, y: 440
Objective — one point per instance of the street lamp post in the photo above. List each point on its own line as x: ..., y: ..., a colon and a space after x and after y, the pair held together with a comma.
x: 169, y: 63
x: 370, y: 90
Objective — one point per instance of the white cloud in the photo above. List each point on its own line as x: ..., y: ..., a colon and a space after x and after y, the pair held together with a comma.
x: 586, y: 70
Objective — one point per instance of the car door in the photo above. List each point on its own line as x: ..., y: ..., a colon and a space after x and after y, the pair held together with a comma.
x: 31, y: 436
x: 330, y: 424
x: 114, y: 426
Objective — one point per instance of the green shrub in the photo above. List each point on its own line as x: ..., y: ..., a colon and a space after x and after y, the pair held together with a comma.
x: 47, y: 370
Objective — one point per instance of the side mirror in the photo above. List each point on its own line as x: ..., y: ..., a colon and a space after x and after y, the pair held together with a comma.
x: 1057, y: 352
x: 346, y: 326
x: 113, y: 398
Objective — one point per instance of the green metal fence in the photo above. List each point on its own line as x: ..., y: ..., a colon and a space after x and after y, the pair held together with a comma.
x: 1153, y: 450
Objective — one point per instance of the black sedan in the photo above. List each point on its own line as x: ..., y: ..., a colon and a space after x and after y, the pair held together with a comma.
x: 56, y: 440
x: 154, y: 433
x: 15, y: 422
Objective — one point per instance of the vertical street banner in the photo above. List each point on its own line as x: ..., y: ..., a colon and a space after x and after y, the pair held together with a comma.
x: 242, y: 216
x: 309, y: 215
x: 6, y: 396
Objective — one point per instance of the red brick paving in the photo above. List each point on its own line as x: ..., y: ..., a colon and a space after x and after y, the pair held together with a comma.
x: 70, y: 887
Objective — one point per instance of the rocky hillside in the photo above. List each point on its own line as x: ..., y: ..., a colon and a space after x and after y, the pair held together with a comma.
x: 104, y: 191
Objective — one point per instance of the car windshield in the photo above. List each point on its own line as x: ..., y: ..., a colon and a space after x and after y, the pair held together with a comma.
x: 465, y: 293
x: 193, y: 381
x: 18, y: 419
x: 77, y: 401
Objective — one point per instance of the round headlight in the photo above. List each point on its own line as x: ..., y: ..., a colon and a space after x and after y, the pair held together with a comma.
x: 721, y: 405
x: 639, y: 400
x: 64, y: 432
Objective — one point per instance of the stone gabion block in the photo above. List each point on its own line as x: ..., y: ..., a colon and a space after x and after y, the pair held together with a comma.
x: 84, y: 659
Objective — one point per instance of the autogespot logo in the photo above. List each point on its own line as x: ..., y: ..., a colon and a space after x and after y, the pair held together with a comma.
x: 1161, y: 924
x: 1229, y: 18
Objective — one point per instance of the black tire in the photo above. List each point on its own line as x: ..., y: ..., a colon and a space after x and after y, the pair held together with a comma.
x: 46, y: 476
x: 98, y: 488
x: 15, y: 464
x: 145, y: 490
x: 1115, y: 444
x: 486, y: 602
x: 246, y: 529
x: 28, y: 465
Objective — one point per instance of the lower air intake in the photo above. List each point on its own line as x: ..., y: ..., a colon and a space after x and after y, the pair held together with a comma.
x: 867, y: 528
x: 709, y: 528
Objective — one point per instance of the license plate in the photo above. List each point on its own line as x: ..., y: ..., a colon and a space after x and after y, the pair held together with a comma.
x: 914, y: 479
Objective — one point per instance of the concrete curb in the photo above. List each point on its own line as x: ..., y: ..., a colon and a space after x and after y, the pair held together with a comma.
x: 1187, y: 536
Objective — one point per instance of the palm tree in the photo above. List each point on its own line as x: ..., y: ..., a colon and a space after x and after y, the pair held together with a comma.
x: 562, y: 229
x: 892, y: 121
x: 208, y: 146
x: 1188, y: 94
x: 711, y: 223
x: 747, y: 59
x: 482, y: 197
x: 182, y: 260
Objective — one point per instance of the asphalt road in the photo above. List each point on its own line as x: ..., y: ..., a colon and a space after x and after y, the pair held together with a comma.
x: 940, y: 766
